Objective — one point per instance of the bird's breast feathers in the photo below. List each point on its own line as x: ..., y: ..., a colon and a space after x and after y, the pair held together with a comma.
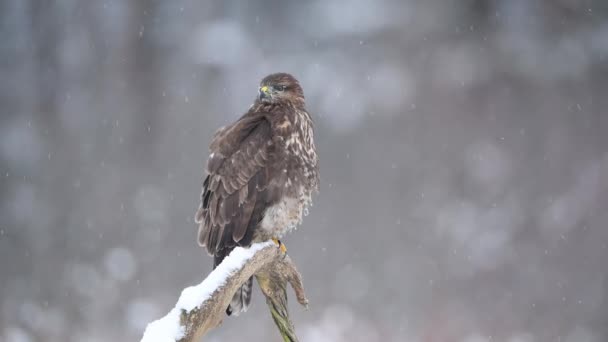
x: 285, y: 215
x: 296, y: 175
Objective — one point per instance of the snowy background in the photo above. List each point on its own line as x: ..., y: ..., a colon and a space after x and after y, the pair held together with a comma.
x: 463, y: 149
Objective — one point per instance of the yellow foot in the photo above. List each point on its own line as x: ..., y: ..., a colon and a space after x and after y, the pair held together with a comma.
x: 281, y: 245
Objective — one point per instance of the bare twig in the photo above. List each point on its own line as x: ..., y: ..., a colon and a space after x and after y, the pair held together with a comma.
x: 202, y: 307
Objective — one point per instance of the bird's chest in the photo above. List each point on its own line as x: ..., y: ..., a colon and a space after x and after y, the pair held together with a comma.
x: 285, y: 215
x: 295, y: 177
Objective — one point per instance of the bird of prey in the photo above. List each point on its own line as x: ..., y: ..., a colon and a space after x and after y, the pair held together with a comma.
x: 261, y: 173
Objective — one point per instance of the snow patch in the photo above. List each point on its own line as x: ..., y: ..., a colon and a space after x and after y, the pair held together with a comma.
x: 193, y: 296
x: 168, y: 328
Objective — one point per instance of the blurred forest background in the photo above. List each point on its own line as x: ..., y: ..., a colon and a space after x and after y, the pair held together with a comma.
x: 463, y: 147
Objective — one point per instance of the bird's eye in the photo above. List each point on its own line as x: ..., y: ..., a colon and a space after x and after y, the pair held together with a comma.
x: 280, y: 87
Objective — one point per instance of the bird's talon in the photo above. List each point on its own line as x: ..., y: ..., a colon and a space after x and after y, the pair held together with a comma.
x: 281, y: 245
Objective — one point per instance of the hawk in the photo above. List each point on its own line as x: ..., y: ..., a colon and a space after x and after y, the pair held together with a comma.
x: 261, y: 173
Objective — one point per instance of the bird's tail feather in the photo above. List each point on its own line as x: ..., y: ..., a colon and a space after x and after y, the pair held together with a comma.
x: 242, y: 297
x: 241, y: 300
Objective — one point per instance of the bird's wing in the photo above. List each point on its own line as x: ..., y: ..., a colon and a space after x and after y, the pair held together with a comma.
x: 234, y: 192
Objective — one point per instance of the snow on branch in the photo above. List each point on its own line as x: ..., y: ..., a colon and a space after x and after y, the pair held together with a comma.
x: 202, y: 307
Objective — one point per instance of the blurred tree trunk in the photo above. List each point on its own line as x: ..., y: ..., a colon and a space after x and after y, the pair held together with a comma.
x: 144, y: 67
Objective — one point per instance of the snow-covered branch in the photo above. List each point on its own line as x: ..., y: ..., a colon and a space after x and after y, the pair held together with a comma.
x: 202, y: 307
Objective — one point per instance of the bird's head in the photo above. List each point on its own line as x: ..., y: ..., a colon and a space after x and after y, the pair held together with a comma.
x: 280, y: 88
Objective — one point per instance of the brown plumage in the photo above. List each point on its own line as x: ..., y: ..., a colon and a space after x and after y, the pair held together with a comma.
x: 262, y: 171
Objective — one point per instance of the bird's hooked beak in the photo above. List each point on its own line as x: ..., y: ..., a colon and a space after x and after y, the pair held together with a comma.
x: 264, y: 93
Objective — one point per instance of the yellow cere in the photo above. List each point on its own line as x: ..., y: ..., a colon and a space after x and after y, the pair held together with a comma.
x: 264, y: 89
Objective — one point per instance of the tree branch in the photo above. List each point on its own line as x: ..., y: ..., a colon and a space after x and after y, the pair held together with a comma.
x: 273, y: 281
x: 202, y: 307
